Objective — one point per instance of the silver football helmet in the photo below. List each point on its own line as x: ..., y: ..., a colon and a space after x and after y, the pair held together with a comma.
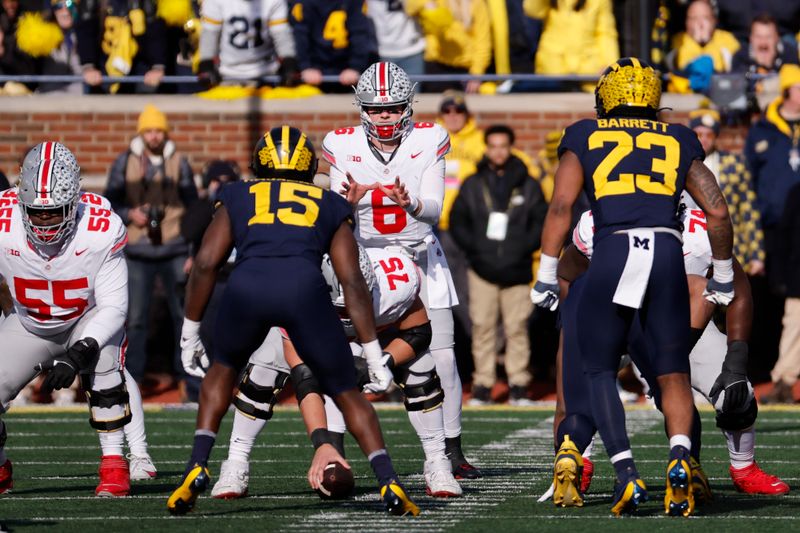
x: 50, y: 185
x: 50, y: 150
x: 385, y: 84
x: 337, y: 294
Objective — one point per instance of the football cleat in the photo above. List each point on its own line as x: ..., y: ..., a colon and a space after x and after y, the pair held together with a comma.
x: 466, y: 471
x: 700, y: 486
x: 6, y: 479
x: 439, y: 480
x: 397, y: 501
x: 752, y: 480
x: 181, y: 501
x: 234, y: 477
x: 115, y: 480
x: 586, y: 476
x: 679, y: 500
x: 567, y: 472
x: 628, y: 496
x: 142, y: 467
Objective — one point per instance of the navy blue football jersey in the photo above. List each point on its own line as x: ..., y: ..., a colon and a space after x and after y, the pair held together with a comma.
x: 634, y: 170
x: 282, y: 218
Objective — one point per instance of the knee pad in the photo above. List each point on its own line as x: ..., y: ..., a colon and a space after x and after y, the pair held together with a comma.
x: 738, y: 421
x: 421, y: 386
x: 252, y: 396
x: 418, y: 337
x: 304, y: 382
x: 115, y: 400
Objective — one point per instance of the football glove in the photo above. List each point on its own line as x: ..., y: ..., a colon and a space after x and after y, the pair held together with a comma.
x: 193, y: 354
x: 62, y: 370
x: 380, y: 374
x: 207, y: 74
x: 733, y: 379
x: 545, y: 295
x: 719, y: 293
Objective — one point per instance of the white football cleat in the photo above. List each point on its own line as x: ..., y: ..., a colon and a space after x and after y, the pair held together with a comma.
x: 439, y: 480
x: 234, y: 477
x: 141, y: 467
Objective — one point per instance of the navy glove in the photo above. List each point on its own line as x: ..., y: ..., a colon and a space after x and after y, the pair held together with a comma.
x: 62, y: 370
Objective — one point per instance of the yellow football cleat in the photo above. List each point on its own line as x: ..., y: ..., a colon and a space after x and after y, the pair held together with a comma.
x: 397, y: 501
x: 628, y: 496
x: 679, y: 500
x: 567, y: 475
x: 701, y: 490
x: 181, y: 501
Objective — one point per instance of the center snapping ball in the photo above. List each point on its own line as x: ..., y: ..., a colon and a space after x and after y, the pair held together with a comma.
x: 337, y: 482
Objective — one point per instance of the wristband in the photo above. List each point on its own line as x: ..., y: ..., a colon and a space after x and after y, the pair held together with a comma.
x: 413, y: 208
x: 321, y: 436
x: 723, y: 270
x: 372, y: 350
x: 548, y: 266
x: 190, y: 328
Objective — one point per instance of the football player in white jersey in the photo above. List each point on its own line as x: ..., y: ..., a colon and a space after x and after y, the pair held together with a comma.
x: 718, y: 364
x: 392, y: 171
x: 395, y: 282
x: 64, y: 264
x: 252, y: 39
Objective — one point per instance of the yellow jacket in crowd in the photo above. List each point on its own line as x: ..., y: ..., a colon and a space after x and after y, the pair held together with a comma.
x: 575, y: 42
x: 457, y: 32
x: 721, y: 48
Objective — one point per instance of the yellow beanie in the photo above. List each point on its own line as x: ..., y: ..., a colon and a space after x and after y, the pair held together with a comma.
x: 789, y: 75
x: 152, y: 119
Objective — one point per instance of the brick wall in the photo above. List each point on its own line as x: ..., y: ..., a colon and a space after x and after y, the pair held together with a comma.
x: 98, y: 128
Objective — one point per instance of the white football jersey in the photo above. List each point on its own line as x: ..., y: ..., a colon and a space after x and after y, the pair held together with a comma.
x: 398, y: 282
x: 398, y: 34
x: 51, y: 295
x: 379, y: 221
x: 246, y: 47
x: 696, y: 246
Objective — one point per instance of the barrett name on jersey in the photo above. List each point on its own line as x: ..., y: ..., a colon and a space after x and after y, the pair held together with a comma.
x: 418, y: 162
x: 51, y: 294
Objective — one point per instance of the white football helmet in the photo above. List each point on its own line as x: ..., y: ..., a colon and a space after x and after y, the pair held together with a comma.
x: 49, y: 185
x: 337, y: 294
x: 50, y: 150
x: 385, y: 84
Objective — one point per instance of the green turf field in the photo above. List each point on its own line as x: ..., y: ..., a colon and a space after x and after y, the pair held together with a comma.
x: 55, y: 458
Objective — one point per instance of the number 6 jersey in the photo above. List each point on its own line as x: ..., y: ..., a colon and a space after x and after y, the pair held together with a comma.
x: 51, y: 295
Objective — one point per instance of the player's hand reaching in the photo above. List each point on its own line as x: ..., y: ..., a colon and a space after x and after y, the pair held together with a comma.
x: 193, y: 354
x: 380, y: 372
x: 355, y: 191
x: 324, y: 455
x: 62, y: 370
x: 397, y: 193
x: 719, y: 293
x: 732, y: 380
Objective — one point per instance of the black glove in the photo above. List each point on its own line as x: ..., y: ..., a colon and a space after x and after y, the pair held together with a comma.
x: 61, y: 371
x: 733, y: 379
x: 207, y: 74
x: 289, y: 72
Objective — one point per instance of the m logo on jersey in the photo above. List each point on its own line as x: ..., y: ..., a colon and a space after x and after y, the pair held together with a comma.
x: 641, y: 243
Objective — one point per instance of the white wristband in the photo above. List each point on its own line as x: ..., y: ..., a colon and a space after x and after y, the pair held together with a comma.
x: 191, y: 328
x: 414, y: 206
x: 372, y: 350
x: 548, y: 266
x: 723, y: 270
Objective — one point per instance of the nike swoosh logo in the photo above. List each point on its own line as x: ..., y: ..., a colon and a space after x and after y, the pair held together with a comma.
x: 414, y: 156
x: 80, y: 252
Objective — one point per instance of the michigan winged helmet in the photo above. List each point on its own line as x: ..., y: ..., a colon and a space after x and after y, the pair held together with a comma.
x: 284, y: 152
x: 628, y: 83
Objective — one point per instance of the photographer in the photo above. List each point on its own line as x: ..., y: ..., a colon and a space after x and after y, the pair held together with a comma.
x: 149, y: 186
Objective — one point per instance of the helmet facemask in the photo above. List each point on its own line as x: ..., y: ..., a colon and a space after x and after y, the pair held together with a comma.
x: 385, y: 84
x: 49, y: 186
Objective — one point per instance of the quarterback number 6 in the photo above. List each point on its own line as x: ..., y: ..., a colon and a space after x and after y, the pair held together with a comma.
x: 382, y: 213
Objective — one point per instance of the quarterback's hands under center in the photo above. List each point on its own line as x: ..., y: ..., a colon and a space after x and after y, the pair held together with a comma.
x: 324, y: 455
x: 355, y: 191
x: 398, y: 193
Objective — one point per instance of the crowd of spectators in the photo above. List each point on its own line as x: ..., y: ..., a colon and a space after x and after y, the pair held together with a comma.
x: 303, y: 40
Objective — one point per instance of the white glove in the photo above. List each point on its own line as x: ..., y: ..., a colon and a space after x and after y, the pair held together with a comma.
x: 545, y: 291
x: 380, y: 375
x: 193, y: 354
x: 719, y: 289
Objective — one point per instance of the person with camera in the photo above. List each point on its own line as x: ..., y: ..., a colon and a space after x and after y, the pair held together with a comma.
x: 149, y: 186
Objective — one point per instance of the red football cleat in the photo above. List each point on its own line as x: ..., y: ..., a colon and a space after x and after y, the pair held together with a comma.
x: 586, y: 476
x: 115, y: 479
x: 6, y: 481
x: 752, y: 480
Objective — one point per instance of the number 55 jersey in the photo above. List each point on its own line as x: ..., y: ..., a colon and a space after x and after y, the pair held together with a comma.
x: 51, y: 294
x: 634, y: 170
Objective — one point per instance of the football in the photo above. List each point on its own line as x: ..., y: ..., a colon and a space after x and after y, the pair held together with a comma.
x: 337, y: 482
